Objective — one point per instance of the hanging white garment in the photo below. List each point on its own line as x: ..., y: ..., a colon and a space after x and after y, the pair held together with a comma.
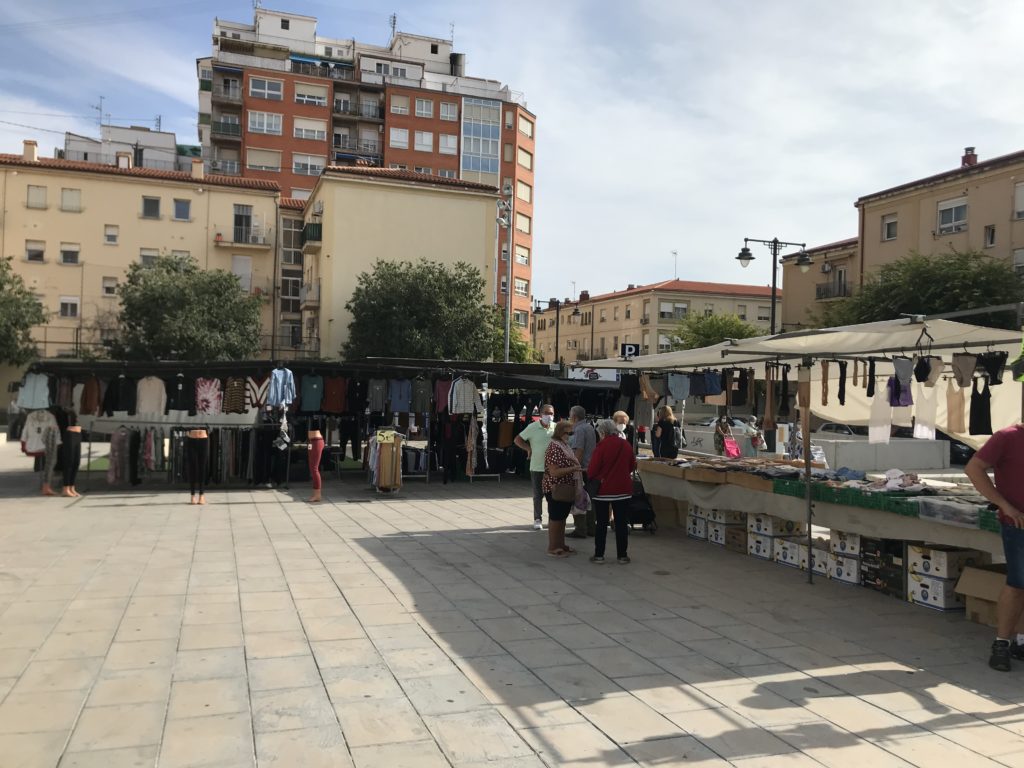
x: 880, y: 420
x: 926, y: 404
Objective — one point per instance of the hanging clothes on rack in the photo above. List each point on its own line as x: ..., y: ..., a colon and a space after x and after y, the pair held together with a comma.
x: 150, y: 396
x: 34, y: 392
x: 281, y: 392
x: 981, y: 408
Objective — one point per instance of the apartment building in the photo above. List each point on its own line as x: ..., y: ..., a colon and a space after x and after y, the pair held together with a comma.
x: 348, y: 226
x: 278, y: 101
x: 73, y: 228
x: 978, y: 206
x: 148, y: 148
x: 594, y: 327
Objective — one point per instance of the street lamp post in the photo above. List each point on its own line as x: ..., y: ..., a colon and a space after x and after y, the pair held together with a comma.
x: 774, y: 245
x: 506, y: 212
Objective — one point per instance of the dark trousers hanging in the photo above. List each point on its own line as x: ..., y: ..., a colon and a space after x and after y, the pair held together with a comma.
x: 348, y: 432
x: 197, y: 461
x: 134, y: 456
x: 72, y: 451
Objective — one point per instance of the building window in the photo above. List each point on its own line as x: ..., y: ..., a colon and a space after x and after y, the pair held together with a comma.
x: 889, y: 227
x: 398, y: 166
x: 308, y: 165
x: 263, y: 160
x: 524, y: 191
x: 291, y: 292
x: 399, y: 104
x: 522, y: 254
x: 764, y: 314
x: 664, y: 343
x: 151, y: 207
x: 181, y: 255
x: 286, y: 24
x: 629, y: 312
x: 447, y: 174
x: 447, y: 143
x: 1018, y: 262
x: 36, y: 196
x: 110, y: 234
x: 525, y: 127
x: 314, y: 130
x: 508, y: 119
x: 384, y: 69
x: 709, y: 310
x: 521, y: 286
x: 1018, y: 201
x: 69, y: 253
x: 424, y: 107
x: 525, y: 159
x: 953, y: 216
x: 615, y: 313
x: 148, y: 256
x: 69, y: 306
x: 481, y: 131
x: 520, y: 318
x: 110, y: 287
x: 301, y: 194
x: 523, y: 223
x: 265, y: 122
x: 315, y: 95
x: 291, y: 241
x: 35, y: 250
x: 328, y: 51
x: 424, y: 141
x: 400, y: 138
x: 602, y: 317
x: 509, y: 153
x: 71, y: 200
x: 398, y: 71
x: 261, y: 88
x: 423, y: 169
x: 741, y: 311
x: 449, y: 110
x: 182, y: 210
x: 504, y: 284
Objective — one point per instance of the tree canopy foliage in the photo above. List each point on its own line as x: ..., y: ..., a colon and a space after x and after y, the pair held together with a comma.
x: 19, y: 311
x: 173, y: 310
x: 930, y: 285
x: 427, y: 310
x: 695, y: 331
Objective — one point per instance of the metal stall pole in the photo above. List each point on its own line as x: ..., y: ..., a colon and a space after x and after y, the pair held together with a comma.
x: 804, y: 385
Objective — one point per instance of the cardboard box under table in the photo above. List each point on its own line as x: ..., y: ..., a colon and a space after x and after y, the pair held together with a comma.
x: 980, y: 586
x: 697, y: 527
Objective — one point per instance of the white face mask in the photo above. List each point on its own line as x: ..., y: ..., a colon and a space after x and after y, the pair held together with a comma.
x: 620, y: 427
x: 545, y: 419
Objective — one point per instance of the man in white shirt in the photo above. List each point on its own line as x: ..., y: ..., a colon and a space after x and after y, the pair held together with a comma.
x: 535, y: 440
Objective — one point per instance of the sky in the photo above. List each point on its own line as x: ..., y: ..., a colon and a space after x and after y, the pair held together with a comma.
x: 662, y: 125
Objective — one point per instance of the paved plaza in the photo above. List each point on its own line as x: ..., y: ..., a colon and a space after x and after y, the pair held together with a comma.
x: 430, y: 629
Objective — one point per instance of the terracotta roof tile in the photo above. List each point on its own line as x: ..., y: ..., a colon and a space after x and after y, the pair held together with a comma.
x: 984, y: 165
x: 837, y: 245
x: 691, y: 286
x: 400, y: 175
x: 293, y: 203
x: 142, y: 173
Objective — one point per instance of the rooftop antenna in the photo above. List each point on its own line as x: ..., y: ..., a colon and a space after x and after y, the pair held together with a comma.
x: 451, y: 32
x: 393, y: 21
x: 675, y: 263
x: 99, y: 111
x: 158, y: 122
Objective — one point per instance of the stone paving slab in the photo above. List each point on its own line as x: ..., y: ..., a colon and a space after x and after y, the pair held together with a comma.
x: 429, y: 629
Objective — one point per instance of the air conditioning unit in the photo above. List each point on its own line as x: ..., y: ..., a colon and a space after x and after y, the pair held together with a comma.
x: 318, y: 207
x: 255, y: 239
x: 826, y: 268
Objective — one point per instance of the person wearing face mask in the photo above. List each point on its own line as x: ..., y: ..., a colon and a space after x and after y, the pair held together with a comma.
x: 535, y: 440
x: 622, y: 428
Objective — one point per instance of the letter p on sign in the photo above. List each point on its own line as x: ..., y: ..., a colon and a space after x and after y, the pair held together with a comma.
x: 629, y: 350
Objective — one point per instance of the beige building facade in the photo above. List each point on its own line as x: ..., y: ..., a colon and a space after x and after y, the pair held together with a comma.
x: 356, y: 216
x: 976, y: 207
x: 594, y: 327
x: 73, y: 228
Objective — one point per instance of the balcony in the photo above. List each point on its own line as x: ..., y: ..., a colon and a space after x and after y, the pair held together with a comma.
x: 346, y: 145
x: 823, y: 291
x: 244, y: 237
x: 676, y: 316
x: 225, y: 167
x: 205, y: 85
x: 228, y: 94
x: 336, y: 72
x: 309, y: 296
x: 223, y: 129
x: 645, y: 320
x: 312, y: 233
x: 365, y: 110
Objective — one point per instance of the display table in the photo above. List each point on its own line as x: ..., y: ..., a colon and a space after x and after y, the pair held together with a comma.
x: 743, y: 492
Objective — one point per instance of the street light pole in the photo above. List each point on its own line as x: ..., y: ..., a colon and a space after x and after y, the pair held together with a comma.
x: 506, y: 212
x: 774, y: 245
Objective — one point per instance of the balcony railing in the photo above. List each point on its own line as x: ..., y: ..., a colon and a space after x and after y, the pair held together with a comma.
x: 225, y: 128
x: 225, y: 92
x: 312, y: 233
x: 357, y: 109
x: 832, y: 290
x: 246, y: 236
x: 309, y: 295
x: 205, y: 85
x: 323, y: 70
x: 357, y: 146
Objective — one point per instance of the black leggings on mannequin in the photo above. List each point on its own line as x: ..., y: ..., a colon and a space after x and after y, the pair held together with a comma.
x: 197, y: 459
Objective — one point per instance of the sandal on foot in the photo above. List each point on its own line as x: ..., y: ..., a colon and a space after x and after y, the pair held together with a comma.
x: 558, y: 553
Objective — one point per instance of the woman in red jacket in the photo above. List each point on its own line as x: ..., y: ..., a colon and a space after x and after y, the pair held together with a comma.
x: 612, y: 465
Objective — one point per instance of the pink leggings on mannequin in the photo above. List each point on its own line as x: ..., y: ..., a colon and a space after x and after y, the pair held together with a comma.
x: 316, y: 450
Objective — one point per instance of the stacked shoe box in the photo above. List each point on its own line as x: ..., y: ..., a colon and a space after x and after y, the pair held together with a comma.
x: 721, y: 521
x: 844, y: 557
x: 764, y: 533
x: 697, y: 523
x: 817, y: 554
x: 883, y: 566
x: 934, y: 571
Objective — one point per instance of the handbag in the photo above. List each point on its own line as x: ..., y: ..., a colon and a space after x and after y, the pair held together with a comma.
x: 564, y: 492
x: 732, y: 448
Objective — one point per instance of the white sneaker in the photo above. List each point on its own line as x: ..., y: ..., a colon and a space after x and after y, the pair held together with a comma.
x: 536, y: 525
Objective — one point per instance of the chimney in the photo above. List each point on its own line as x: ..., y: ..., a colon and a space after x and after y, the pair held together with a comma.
x: 631, y: 286
x: 584, y: 295
x: 969, y: 158
x: 124, y: 160
x: 30, y: 153
x: 197, y: 168
x: 552, y: 303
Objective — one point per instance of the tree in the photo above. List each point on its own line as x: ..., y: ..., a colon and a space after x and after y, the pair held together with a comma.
x: 424, y: 310
x: 173, y: 310
x: 519, y: 349
x: 19, y: 311
x: 694, y: 332
x: 930, y: 285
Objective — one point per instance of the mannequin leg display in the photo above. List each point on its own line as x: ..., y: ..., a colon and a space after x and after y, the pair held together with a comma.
x: 53, y: 445
x: 72, y: 458
x: 316, y: 450
x: 197, y: 458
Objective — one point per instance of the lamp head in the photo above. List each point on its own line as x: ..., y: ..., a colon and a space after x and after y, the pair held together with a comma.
x: 803, y: 262
x: 745, y: 257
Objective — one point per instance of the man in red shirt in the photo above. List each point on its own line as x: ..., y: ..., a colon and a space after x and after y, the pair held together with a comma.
x: 1004, y: 452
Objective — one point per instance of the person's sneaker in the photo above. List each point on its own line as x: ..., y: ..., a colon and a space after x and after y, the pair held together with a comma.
x: 1000, y: 658
x: 1016, y: 651
x: 577, y: 534
x: 597, y: 559
x: 536, y: 525
x: 624, y: 561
